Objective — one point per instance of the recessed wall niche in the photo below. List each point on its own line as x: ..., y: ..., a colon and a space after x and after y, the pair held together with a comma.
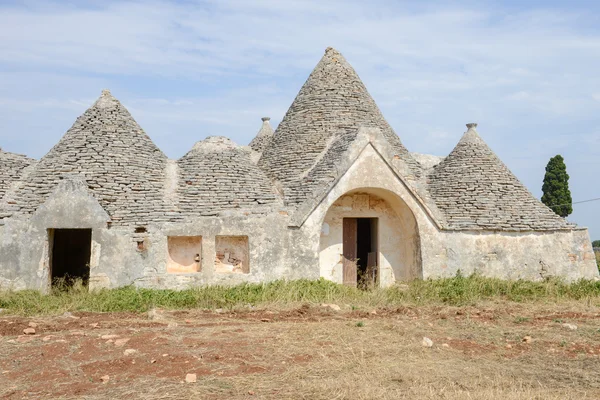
x: 232, y: 255
x: 185, y: 254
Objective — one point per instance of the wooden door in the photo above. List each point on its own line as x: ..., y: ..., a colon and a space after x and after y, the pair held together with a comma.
x: 349, y: 249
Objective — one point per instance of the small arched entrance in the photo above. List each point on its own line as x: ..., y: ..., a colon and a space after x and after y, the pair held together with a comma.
x: 369, y: 237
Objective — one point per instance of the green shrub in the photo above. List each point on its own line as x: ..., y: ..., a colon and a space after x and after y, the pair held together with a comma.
x: 457, y: 291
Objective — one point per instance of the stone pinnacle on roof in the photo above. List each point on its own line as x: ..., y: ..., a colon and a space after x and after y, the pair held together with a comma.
x: 475, y: 190
x: 263, y: 137
x: 319, y: 126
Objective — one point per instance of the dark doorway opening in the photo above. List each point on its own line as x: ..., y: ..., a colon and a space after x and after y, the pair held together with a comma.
x: 70, y: 256
x: 360, y: 252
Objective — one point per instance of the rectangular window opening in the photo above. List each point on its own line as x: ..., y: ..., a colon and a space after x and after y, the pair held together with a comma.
x: 185, y: 254
x: 232, y: 255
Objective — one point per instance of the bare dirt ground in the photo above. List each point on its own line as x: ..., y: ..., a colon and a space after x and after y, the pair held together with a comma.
x: 497, y: 351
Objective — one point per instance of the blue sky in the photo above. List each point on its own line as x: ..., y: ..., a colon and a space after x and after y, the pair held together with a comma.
x: 526, y: 71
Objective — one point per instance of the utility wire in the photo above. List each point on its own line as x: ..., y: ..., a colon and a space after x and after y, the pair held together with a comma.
x: 575, y: 202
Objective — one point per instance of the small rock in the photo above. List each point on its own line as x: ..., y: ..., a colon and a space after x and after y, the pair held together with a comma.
x: 29, y: 331
x: 219, y: 310
x: 374, y: 312
x: 509, y: 346
x: 570, y: 327
x: 47, y: 338
x: 129, y: 352
x: 251, y: 392
x: 190, y: 378
x: 32, y: 325
x: 156, y: 314
x: 69, y: 315
x: 265, y: 320
x: 427, y: 342
x: 105, y: 378
x: 94, y: 325
x: 527, y: 339
x: 165, y: 355
x: 446, y: 345
x: 152, y: 361
x: 106, y: 337
x: 334, y: 307
x: 121, y: 342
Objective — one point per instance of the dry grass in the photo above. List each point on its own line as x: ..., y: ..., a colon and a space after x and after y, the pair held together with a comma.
x: 313, y: 353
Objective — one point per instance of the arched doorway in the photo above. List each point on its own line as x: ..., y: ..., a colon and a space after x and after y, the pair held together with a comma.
x: 369, y: 236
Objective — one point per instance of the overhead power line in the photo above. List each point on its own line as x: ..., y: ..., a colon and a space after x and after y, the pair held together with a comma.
x: 575, y: 202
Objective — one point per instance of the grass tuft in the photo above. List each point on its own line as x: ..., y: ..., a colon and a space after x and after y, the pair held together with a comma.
x: 456, y: 291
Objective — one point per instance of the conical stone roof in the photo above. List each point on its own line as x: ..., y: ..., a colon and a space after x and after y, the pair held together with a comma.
x: 122, y: 167
x: 320, y: 125
x: 476, y: 191
x: 217, y: 175
x: 11, y: 169
x: 263, y: 137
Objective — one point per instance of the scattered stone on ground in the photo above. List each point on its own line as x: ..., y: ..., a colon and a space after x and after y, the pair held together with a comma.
x: 334, y: 307
x: 121, y: 342
x: 129, y: 352
x: 32, y: 325
x: 69, y: 315
x: 105, y: 378
x: 107, y: 337
x: 29, y: 331
x: 570, y: 327
x: 527, y: 339
x: 427, y: 342
x: 190, y: 378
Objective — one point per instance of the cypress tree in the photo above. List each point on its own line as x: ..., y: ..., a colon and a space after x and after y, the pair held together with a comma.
x: 556, y: 191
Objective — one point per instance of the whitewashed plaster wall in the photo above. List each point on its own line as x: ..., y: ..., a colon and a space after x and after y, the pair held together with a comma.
x: 397, y: 238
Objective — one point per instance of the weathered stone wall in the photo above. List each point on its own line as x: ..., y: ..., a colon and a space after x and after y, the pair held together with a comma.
x: 507, y: 255
x: 116, y: 260
x: 523, y: 255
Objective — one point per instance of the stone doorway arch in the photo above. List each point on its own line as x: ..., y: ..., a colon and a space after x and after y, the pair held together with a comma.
x: 394, y: 237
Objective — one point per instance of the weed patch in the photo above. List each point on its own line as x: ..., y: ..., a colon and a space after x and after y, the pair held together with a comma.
x: 456, y: 291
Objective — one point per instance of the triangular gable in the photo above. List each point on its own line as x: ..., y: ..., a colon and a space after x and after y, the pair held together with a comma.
x: 368, y: 137
x: 71, y: 206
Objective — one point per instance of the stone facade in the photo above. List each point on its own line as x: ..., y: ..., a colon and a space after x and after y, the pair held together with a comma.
x: 227, y: 214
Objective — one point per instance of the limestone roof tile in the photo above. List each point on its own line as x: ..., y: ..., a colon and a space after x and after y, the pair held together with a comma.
x: 320, y: 125
x: 217, y: 175
x: 11, y: 169
x: 263, y: 137
x: 476, y: 191
x: 121, y: 165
